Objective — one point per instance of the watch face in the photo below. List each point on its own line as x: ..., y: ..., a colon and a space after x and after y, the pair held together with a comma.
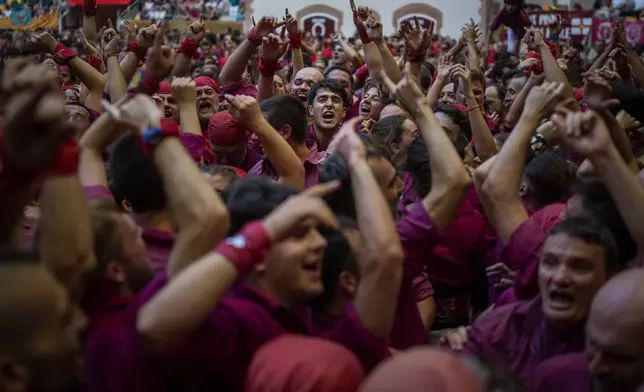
x: 237, y: 241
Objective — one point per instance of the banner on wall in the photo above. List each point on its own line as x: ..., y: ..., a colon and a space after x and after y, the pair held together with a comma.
x: 603, y: 30
x: 101, y: 2
x: 577, y: 25
x: 24, y: 22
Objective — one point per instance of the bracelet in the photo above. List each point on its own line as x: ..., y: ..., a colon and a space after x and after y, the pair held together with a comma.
x: 66, y: 159
x: 266, y: 67
x: 296, y: 40
x: 246, y: 249
x: 188, y: 48
x: 107, y: 55
x: 63, y: 54
x: 473, y: 107
x: 138, y: 50
x: 254, y: 38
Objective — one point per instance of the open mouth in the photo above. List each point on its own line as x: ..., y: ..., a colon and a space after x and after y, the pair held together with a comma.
x: 328, y: 115
x: 204, y: 107
x: 168, y: 113
x: 365, y: 108
x: 314, y: 268
x: 561, y: 299
x: 303, y: 96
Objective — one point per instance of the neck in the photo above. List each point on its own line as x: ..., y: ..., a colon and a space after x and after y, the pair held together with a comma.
x: 324, y: 136
x: 278, y: 295
x: 336, y: 307
x: 301, y: 150
x: 160, y: 220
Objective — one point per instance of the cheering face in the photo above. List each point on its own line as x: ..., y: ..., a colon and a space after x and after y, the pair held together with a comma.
x: 447, y: 94
x: 278, y: 85
x: 514, y: 88
x: 292, y: 271
x: 339, y: 55
x: 79, y: 118
x: 302, y: 82
x: 327, y: 110
x: 570, y: 273
x: 371, y: 105
x: 72, y: 95
x: 207, y: 101
x: 170, y: 107
x: 399, y: 150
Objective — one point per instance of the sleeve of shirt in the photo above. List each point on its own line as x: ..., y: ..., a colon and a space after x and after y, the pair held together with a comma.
x: 497, y: 22
x: 417, y: 228
x: 240, y: 88
x: 423, y: 289
x: 194, y: 144
x: 350, y: 332
x: 98, y: 192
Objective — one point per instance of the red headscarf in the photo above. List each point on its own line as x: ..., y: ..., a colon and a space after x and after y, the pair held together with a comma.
x: 423, y: 370
x: 165, y: 88
x: 303, y: 364
x: 225, y: 131
x: 537, y: 68
x: 207, y: 81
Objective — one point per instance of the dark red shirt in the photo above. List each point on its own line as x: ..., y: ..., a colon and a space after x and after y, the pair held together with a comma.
x: 565, y: 373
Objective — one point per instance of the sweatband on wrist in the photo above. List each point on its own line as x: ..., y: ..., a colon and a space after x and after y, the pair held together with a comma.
x: 553, y: 38
x: 95, y: 62
x: 89, y: 11
x: 295, y: 40
x: 63, y: 54
x: 138, y: 50
x: 153, y: 136
x: 188, y: 48
x: 416, y: 56
x: 66, y: 159
x: 254, y: 38
x: 247, y: 249
x: 266, y: 67
x: 364, y: 36
x: 362, y: 73
x: 143, y: 83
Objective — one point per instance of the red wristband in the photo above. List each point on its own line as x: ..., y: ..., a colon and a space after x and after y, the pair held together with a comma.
x: 152, y: 137
x: 254, y: 38
x: 416, y: 56
x: 266, y: 67
x: 138, y: 50
x: 295, y: 40
x: 95, y: 62
x: 143, y: 83
x: 247, y: 249
x: 364, y: 36
x: 89, y: 11
x: 62, y: 54
x: 188, y: 48
x: 66, y: 159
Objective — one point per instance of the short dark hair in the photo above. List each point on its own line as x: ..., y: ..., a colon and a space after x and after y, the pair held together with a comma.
x: 108, y: 244
x: 549, y: 178
x: 135, y: 177
x: 334, y: 168
x: 339, y: 68
x: 418, y: 166
x: 597, y: 203
x: 221, y: 170
x: 588, y: 230
x: 332, y: 86
x: 389, y: 130
x: 458, y: 117
x: 287, y: 110
x: 426, y: 75
x: 252, y: 198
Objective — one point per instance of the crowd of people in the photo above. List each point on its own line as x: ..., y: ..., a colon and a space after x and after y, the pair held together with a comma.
x: 272, y: 212
x: 193, y: 10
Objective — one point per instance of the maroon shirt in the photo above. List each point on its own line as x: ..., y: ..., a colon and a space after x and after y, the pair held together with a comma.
x: 217, y: 356
x: 195, y: 145
x: 565, y: 373
x: 311, y: 166
x: 240, y: 88
x: 418, y: 235
x: 519, y: 337
x: 517, y: 20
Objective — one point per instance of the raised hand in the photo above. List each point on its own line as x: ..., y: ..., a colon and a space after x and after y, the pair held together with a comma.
x: 110, y: 39
x: 585, y: 133
x: 266, y: 26
x: 417, y: 39
x: 273, y: 48
x: 160, y: 59
x: 35, y: 120
x: 147, y: 35
x: 46, y: 41
x: 462, y: 72
x: 556, y: 27
x: 291, y: 24
x: 131, y: 30
x: 89, y: 48
x: 348, y: 144
x: 245, y: 109
x: 534, y: 37
x: 542, y: 99
x: 445, y: 65
x: 138, y: 112
x: 597, y: 91
x: 367, y: 125
x: 301, y: 212
x: 374, y: 28
x: 471, y: 32
x: 196, y: 31
x: 184, y: 90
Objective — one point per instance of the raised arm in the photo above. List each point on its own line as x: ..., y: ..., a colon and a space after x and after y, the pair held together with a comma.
x: 184, y: 305
x: 273, y: 48
x: 418, y: 42
x: 188, y: 49
x: 295, y: 41
x: 288, y: 166
x: 443, y: 74
x: 501, y: 186
x: 89, y: 21
x: 471, y: 34
x: 116, y: 84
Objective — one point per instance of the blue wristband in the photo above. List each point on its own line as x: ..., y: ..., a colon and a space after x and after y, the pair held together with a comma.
x: 152, y: 135
x: 553, y: 38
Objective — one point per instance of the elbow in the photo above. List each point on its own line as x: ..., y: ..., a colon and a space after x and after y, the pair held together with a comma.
x: 392, y: 256
x: 147, y: 326
x: 212, y: 219
x: 459, y: 178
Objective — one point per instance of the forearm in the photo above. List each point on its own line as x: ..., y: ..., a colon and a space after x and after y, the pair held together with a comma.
x: 381, y: 252
x: 412, y: 69
x: 434, y: 93
x: 298, y: 59
x: 87, y: 74
x: 553, y: 72
x: 265, y: 88
x: 288, y: 166
x: 516, y: 109
x: 636, y: 66
x: 186, y: 303
x: 474, y: 62
x: 189, y: 118
x: 373, y: 59
x: 66, y: 233
x: 200, y: 216
x: 455, y: 50
x: 624, y: 189
x: 389, y: 63
x: 483, y: 139
x: 116, y: 81
x: 236, y: 64
x: 89, y: 28
x: 129, y: 65
x: 181, y: 66
x: 449, y: 178
x: 599, y: 61
x: 12, y: 209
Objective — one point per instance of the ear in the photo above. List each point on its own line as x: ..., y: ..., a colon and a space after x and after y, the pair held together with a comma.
x: 13, y: 376
x: 348, y: 282
x: 310, y: 110
x: 286, y: 131
x: 115, y: 272
x: 394, y: 148
x: 523, y: 189
x: 125, y: 205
